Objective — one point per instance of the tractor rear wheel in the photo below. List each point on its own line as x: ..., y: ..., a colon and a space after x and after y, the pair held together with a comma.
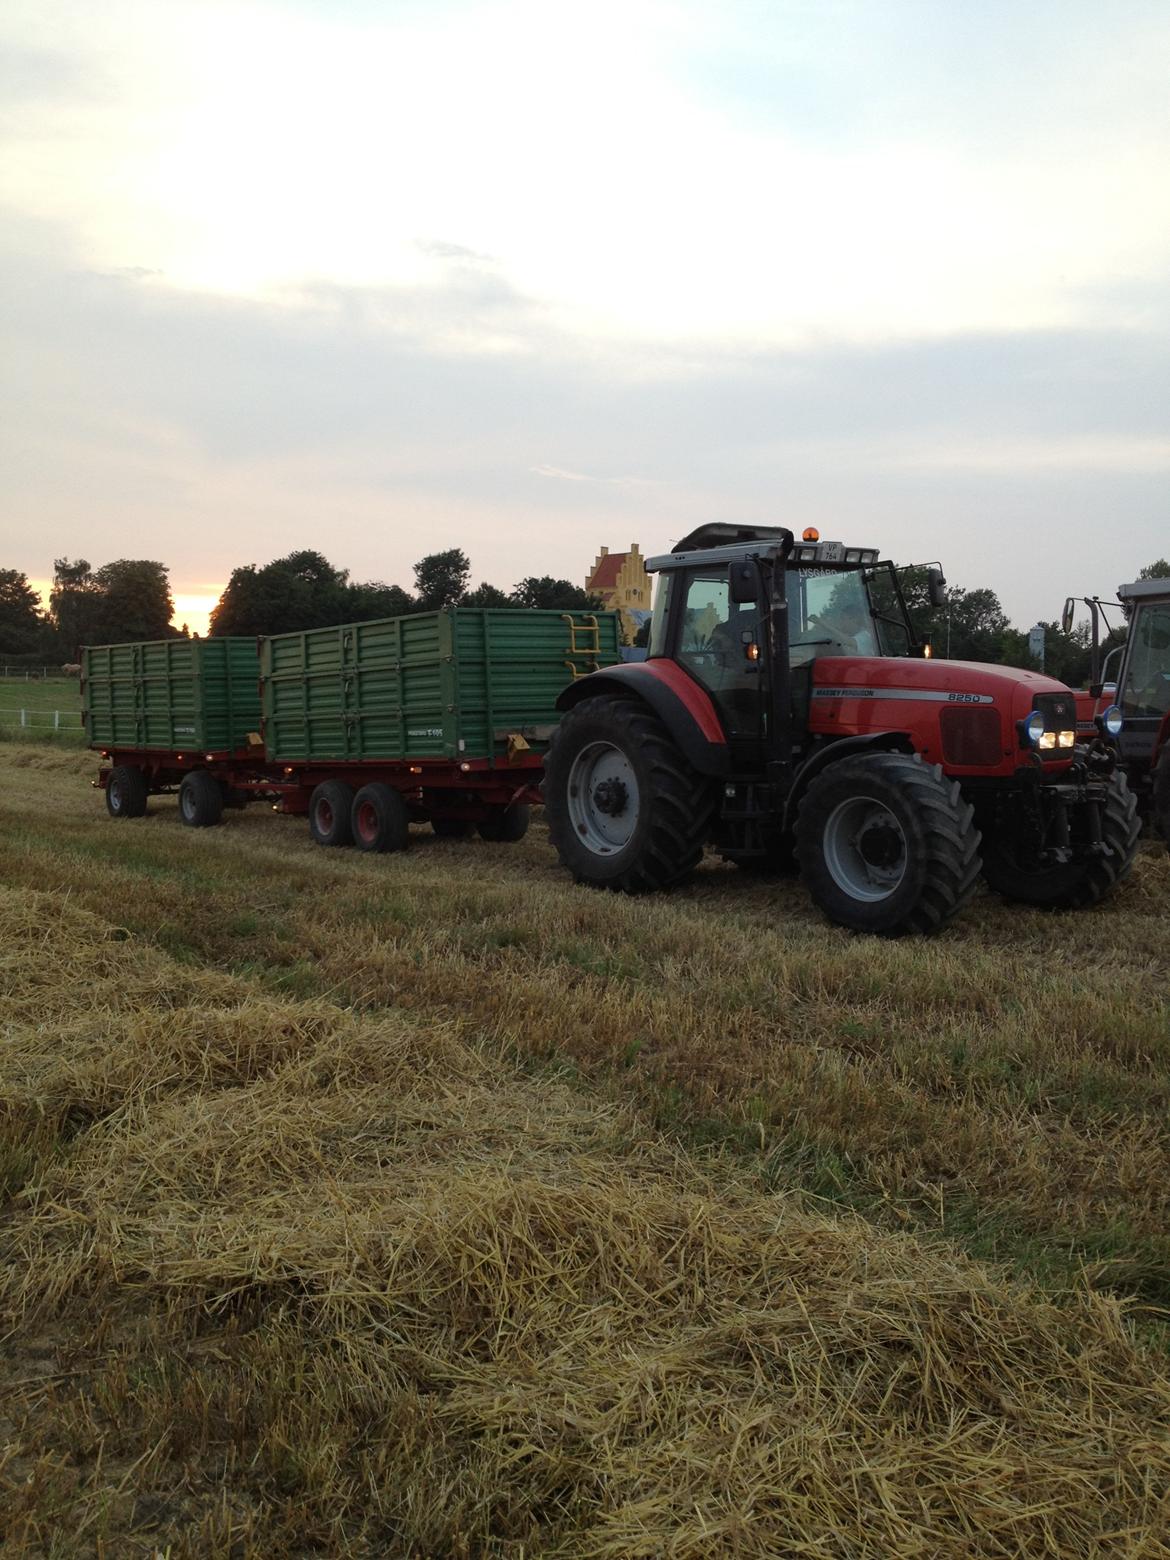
x: 1071, y: 885
x: 625, y: 810
x: 126, y: 792
x: 887, y: 844
x: 1160, y: 810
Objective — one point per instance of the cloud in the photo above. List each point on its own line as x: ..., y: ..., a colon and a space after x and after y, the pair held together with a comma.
x: 374, y: 426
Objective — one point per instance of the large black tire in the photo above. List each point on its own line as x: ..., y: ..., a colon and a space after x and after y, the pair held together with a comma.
x: 453, y: 828
x: 380, y: 819
x: 1073, y: 885
x: 1160, y: 797
x: 126, y: 792
x: 886, y: 844
x: 330, y: 809
x: 625, y: 810
x: 508, y: 826
x: 200, y: 800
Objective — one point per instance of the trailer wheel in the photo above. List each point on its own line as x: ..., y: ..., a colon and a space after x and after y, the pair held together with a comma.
x: 380, y: 819
x: 126, y: 792
x: 200, y: 799
x: 507, y: 826
x: 1073, y: 885
x: 886, y: 844
x: 330, y: 808
x: 453, y: 828
x: 625, y: 810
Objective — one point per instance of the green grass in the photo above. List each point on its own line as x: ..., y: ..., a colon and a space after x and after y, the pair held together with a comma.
x: 39, y: 698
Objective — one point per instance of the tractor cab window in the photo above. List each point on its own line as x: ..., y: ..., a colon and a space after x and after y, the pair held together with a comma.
x: 719, y: 644
x: 1147, y: 681
x: 829, y: 614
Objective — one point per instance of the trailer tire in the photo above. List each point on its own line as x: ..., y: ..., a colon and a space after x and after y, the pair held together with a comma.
x: 886, y: 844
x: 330, y: 813
x: 648, y: 828
x: 453, y: 828
x: 380, y: 820
x: 200, y: 800
x: 1073, y: 885
x: 1160, y: 798
x: 126, y: 792
x: 508, y: 826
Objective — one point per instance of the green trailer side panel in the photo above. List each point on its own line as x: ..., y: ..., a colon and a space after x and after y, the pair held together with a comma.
x: 447, y: 684
x: 171, y: 694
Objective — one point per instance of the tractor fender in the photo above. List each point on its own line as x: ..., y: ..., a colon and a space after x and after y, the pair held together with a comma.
x: 871, y: 741
x: 683, y: 707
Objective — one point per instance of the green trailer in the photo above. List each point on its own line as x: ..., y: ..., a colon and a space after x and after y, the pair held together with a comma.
x: 171, y: 695
x: 438, y: 717
x: 462, y: 684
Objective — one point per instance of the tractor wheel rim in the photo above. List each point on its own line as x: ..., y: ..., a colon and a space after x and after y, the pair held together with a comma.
x: 603, y: 798
x: 187, y: 803
x: 115, y: 795
x: 367, y: 821
x: 865, y: 849
x: 324, y: 817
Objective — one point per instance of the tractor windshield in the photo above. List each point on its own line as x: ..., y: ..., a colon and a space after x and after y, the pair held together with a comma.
x: 1147, y: 678
x: 829, y: 613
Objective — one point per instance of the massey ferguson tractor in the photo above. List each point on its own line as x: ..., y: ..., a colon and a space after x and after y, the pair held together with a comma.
x: 788, y: 714
x: 1136, y: 677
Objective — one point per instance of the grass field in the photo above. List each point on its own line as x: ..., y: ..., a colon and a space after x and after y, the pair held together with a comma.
x: 429, y: 1205
x: 51, y: 709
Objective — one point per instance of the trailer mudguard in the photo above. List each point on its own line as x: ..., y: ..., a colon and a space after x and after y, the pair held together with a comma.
x: 684, y: 708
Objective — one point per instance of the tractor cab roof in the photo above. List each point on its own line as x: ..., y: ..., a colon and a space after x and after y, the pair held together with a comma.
x: 1140, y: 590
x: 720, y: 542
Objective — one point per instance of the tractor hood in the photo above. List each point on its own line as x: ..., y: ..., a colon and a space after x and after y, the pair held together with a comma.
x: 949, y: 682
x: 856, y: 696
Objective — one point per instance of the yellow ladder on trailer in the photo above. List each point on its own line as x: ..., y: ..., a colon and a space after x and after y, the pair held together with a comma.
x: 590, y: 629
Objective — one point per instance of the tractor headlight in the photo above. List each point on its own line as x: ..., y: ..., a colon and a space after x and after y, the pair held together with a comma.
x: 1047, y: 741
x: 1111, y: 721
x: 1032, y: 729
x: 1066, y: 739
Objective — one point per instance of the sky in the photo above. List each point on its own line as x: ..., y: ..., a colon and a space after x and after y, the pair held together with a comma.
x: 525, y: 277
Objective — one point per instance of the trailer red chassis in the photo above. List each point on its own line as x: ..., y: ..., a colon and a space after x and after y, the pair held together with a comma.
x: 367, y: 802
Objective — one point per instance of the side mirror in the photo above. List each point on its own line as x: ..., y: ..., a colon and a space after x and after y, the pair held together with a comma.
x: 1066, y: 617
x: 742, y: 583
x: 936, y: 587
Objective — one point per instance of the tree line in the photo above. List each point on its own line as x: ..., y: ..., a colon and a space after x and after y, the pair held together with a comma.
x: 305, y: 590
x: 131, y: 599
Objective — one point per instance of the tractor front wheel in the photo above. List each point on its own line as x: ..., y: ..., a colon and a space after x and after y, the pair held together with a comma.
x: 625, y: 810
x: 1070, y: 885
x: 887, y: 844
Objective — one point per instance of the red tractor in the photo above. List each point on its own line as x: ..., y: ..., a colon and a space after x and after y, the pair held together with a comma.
x: 788, y: 714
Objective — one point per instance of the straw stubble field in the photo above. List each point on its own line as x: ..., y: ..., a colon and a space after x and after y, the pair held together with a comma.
x: 429, y: 1205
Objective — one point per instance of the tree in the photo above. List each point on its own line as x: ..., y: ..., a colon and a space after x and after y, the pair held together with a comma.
x: 486, y: 595
x: 74, y: 605
x: 559, y: 595
x: 1158, y: 570
x: 375, y: 600
x: 969, y: 626
x: 288, y: 595
x: 135, y: 601
x: 440, y: 579
x: 20, y: 614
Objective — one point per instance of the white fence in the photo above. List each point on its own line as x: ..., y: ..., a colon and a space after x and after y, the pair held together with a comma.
x: 41, y: 720
x: 31, y: 673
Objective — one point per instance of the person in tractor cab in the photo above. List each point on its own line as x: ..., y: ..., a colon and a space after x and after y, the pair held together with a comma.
x: 848, y: 624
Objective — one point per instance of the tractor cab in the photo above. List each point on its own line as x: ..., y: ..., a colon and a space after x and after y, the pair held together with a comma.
x: 747, y: 611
